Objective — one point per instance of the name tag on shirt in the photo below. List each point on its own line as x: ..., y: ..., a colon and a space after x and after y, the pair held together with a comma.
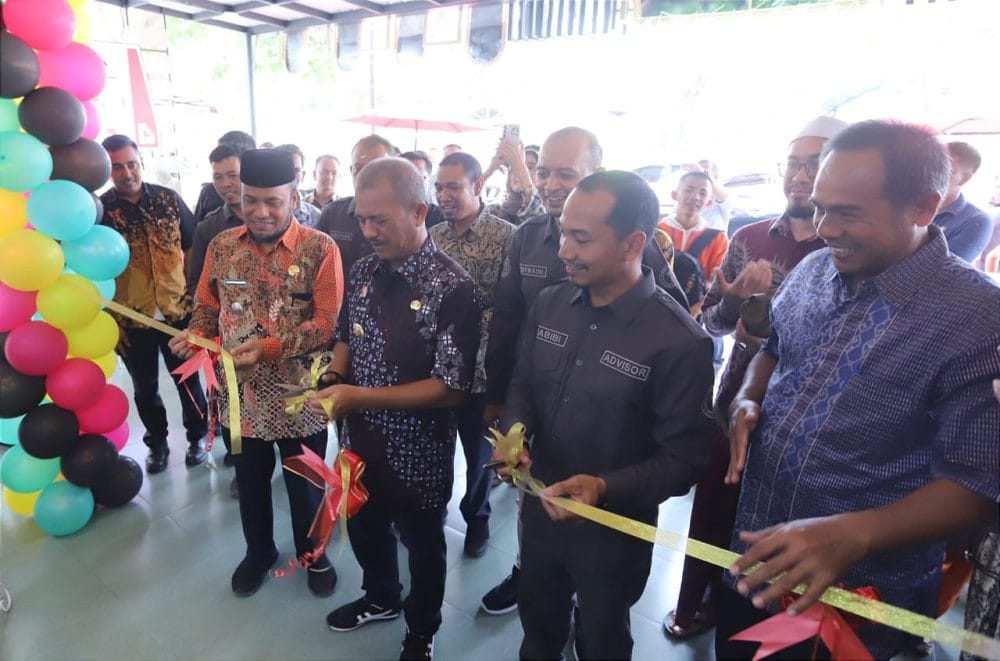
x: 551, y: 336
x: 341, y: 236
x: 625, y: 366
x: 533, y: 271
x: 236, y: 283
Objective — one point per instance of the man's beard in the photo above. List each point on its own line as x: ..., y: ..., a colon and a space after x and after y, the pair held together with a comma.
x: 273, y: 236
x: 801, y: 211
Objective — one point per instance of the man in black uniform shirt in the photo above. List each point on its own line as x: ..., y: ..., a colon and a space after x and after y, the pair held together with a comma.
x: 339, y: 218
x: 532, y: 262
x: 613, y: 382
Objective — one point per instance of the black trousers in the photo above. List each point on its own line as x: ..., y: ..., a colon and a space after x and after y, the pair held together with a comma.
x: 254, y: 467
x: 736, y: 613
x: 142, y: 360
x: 374, y: 544
x: 607, y: 575
x: 475, y: 505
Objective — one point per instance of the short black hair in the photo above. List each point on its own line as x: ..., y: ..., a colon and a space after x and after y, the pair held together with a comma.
x: 118, y: 141
x: 636, y: 208
x: 322, y: 157
x: 223, y: 151
x: 239, y: 140
x: 694, y: 174
x: 965, y: 154
x: 417, y: 155
x: 293, y: 149
x: 374, y: 140
x: 915, y: 160
x: 470, y: 166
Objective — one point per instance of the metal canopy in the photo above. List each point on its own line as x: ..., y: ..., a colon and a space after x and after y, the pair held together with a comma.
x: 262, y: 16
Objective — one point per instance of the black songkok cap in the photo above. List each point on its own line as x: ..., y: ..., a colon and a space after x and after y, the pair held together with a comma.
x: 266, y: 168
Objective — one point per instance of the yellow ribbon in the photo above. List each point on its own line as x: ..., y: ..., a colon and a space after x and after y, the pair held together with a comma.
x: 228, y: 368
x: 509, y: 447
x: 345, y: 481
x: 295, y: 403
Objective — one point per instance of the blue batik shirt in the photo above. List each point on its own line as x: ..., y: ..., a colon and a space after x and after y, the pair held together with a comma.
x: 876, y: 394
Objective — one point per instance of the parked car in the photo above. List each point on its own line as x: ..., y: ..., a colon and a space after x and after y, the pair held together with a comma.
x: 755, y: 196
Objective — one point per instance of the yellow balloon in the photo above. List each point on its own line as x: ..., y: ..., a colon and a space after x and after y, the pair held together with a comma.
x: 77, y: 4
x: 29, y: 260
x: 108, y: 363
x: 83, y: 30
x: 70, y: 302
x: 13, y: 211
x: 94, y: 339
x: 21, y: 503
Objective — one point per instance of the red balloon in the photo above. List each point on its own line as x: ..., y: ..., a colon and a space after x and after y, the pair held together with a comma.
x: 42, y: 24
x: 106, y: 414
x: 75, y: 68
x: 35, y: 348
x: 76, y: 384
x: 93, y: 128
x: 118, y: 436
x: 16, y: 307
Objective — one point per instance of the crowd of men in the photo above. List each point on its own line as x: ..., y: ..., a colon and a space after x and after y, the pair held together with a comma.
x: 852, y: 437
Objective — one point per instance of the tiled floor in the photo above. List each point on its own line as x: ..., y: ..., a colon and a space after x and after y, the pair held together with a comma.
x: 151, y: 581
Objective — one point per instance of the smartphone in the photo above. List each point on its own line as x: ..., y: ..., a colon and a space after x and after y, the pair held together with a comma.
x: 512, y: 131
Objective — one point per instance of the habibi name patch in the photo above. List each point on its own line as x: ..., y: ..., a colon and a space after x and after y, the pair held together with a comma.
x: 534, y: 271
x: 624, y: 365
x: 555, y: 337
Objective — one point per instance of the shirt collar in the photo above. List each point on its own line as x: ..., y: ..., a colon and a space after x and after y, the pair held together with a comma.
x: 700, y: 225
x: 780, y: 226
x: 146, y: 192
x: 898, y: 283
x: 472, y: 228
x: 627, y: 306
x: 412, y: 267
x: 290, y: 239
x: 554, y: 233
x: 956, y: 207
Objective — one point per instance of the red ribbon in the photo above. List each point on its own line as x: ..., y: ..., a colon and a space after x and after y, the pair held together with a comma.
x: 311, y: 466
x: 819, y: 620
x: 203, y: 361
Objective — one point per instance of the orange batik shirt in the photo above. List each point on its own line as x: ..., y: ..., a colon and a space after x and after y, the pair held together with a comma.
x: 289, y: 298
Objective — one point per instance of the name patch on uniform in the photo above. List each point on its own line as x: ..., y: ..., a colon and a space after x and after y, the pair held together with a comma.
x: 533, y: 271
x: 343, y: 236
x: 629, y: 368
x: 551, y: 336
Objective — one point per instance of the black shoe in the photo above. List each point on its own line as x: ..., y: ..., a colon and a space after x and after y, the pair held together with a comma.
x: 234, y: 489
x: 249, y: 576
x: 322, y: 577
x: 156, y: 462
x: 416, y: 647
x: 358, y: 613
x: 503, y: 598
x: 196, y: 454
x: 228, y: 460
x: 477, y: 534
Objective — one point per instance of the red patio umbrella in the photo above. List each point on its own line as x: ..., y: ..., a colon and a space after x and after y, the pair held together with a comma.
x: 415, y: 123
x: 973, y: 126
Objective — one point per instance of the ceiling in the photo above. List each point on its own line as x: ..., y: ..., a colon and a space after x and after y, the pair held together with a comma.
x: 261, y: 16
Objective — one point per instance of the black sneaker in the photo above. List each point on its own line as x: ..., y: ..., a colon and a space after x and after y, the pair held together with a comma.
x: 358, y: 613
x: 322, y: 577
x: 503, y: 598
x: 477, y: 537
x: 416, y: 647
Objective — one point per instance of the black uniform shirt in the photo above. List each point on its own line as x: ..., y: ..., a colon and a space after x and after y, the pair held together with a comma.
x: 621, y: 392
x: 532, y: 263
x: 338, y: 220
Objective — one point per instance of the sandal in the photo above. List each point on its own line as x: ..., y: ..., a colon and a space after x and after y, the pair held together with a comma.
x: 704, y: 619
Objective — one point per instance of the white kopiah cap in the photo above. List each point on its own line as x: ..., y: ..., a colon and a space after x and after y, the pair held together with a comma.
x: 821, y: 127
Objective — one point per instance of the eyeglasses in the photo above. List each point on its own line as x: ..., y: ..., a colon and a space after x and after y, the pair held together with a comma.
x: 792, y: 167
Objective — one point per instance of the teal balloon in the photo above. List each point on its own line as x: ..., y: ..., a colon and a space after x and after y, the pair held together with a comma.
x: 100, y: 254
x: 8, y: 430
x: 8, y: 116
x: 24, y: 161
x: 62, y: 209
x: 63, y: 508
x: 21, y: 472
x: 107, y: 289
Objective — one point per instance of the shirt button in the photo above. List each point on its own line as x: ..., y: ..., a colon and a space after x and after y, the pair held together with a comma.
x: 565, y: 400
x: 579, y: 362
x: 593, y: 327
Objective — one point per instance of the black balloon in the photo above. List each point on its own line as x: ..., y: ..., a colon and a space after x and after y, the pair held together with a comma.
x: 48, y: 431
x: 120, y: 484
x: 19, y: 67
x: 84, y: 162
x: 90, y: 461
x: 3, y: 345
x: 52, y: 115
x: 19, y: 393
x: 99, y: 206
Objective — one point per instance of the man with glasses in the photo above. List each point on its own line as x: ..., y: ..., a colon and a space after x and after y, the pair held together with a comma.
x: 338, y: 218
x: 759, y: 257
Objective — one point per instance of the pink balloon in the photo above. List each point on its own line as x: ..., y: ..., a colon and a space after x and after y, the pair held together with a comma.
x: 36, y: 348
x: 93, y: 128
x: 16, y: 307
x: 76, y: 384
x: 75, y: 68
x: 42, y: 24
x: 119, y: 436
x: 107, y: 413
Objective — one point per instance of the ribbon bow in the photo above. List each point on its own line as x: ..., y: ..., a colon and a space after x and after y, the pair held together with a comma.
x: 819, y: 620
x: 343, y: 496
x: 295, y: 400
x: 205, y: 362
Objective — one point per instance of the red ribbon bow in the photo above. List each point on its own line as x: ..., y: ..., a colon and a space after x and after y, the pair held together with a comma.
x: 337, y: 502
x: 203, y: 361
x: 819, y: 620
